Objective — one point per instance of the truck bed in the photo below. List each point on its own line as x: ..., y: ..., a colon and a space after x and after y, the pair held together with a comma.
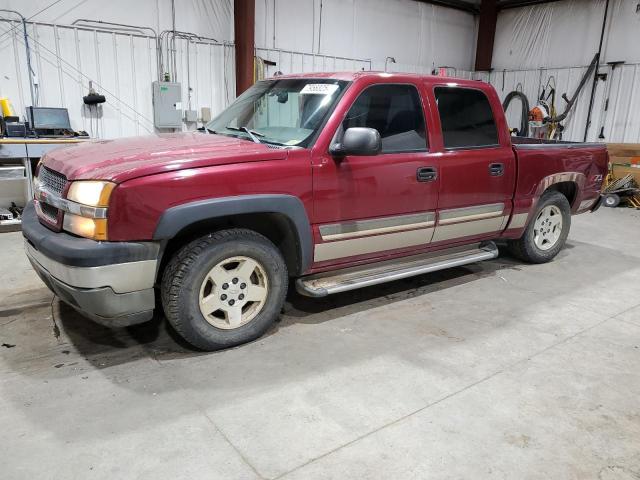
x: 539, y: 160
x: 530, y: 142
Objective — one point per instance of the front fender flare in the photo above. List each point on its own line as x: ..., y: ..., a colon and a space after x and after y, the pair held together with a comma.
x: 175, y: 219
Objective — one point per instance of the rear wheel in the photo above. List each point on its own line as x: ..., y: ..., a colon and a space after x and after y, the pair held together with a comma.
x: 611, y: 200
x: 224, y: 289
x: 546, y: 232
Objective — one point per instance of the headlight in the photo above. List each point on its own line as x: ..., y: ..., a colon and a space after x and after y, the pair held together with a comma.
x: 86, y: 208
x: 93, y: 228
x: 91, y: 192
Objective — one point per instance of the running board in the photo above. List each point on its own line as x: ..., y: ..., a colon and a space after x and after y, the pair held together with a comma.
x: 336, y: 281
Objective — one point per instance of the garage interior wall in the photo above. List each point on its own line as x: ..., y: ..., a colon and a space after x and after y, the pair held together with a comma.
x: 556, y: 42
x: 534, y: 45
x: 419, y: 36
x: 121, y: 64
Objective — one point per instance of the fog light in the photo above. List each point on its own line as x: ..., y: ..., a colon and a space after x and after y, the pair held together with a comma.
x: 93, y: 228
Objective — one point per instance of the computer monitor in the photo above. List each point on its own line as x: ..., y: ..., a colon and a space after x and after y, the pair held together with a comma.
x: 46, y: 118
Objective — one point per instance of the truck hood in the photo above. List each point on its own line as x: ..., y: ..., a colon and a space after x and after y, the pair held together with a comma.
x: 126, y: 158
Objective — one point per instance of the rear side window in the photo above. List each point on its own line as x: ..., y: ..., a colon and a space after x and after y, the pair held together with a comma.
x: 466, y: 118
x: 396, y: 112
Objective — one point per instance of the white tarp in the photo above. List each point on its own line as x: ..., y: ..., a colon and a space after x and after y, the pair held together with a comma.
x: 416, y: 34
x: 566, y: 34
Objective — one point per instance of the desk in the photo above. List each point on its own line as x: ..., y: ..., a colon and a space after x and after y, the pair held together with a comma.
x: 23, y: 152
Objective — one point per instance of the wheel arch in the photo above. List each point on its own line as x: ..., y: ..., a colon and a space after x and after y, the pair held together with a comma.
x: 280, y: 218
x: 570, y: 184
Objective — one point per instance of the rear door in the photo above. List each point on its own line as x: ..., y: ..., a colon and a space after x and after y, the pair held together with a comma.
x: 477, y: 166
x: 373, y: 206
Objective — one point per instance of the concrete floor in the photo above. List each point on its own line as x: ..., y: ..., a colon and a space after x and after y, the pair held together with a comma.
x: 496, y: 370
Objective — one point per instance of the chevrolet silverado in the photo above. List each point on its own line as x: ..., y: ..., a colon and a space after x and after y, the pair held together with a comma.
x: 335, y: 181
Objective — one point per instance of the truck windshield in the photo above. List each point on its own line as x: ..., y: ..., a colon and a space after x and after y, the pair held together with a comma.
x: 281, y: 112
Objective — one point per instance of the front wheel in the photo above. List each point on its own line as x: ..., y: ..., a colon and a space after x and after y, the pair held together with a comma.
x: 546, y: 232
x: 224, y: 289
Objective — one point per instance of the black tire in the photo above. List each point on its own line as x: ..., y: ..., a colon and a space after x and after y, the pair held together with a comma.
x: 611, y: 200
x: 525, y: 247
x: 186, y: 271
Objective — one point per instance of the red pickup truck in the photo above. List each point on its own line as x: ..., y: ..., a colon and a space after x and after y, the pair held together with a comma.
x: 335, y: 180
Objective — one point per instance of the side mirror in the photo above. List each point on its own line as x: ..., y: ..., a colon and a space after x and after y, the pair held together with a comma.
x: 358, y: 141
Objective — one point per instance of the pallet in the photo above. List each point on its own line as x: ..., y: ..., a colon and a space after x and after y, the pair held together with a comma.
x: 624, y: 159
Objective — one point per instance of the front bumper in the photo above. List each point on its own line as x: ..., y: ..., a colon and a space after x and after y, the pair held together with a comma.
x: 108, y: 282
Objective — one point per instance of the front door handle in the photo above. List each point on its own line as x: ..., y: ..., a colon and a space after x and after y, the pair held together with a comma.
x: 496, y: 169
x: 426, y: 174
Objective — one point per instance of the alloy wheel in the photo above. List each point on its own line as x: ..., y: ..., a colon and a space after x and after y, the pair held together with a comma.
x: 233, y: 292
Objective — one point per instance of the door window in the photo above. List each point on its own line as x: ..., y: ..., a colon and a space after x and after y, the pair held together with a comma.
x: 466, y: 118
x: 396, y: 112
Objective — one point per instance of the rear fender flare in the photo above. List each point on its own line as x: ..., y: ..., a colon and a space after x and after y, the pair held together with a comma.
x: 575, y: 177
x: 520, y: 221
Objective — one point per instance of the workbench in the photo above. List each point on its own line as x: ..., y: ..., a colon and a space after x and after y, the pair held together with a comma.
x: 23, y: 153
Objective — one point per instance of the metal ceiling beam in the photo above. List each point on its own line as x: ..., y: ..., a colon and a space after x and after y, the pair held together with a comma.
x: 471, y: 7
x: 244, y: 14
x: 504, y: 4
x: 486, y: 34
x: 455, y: 4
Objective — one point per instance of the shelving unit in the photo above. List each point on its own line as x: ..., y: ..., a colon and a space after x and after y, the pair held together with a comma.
x: 22, y: 153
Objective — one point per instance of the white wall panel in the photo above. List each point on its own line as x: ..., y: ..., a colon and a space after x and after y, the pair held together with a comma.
x: 299, y: 62
x: 531, y: 82
x: 122, y: 67
x: 621, y: 121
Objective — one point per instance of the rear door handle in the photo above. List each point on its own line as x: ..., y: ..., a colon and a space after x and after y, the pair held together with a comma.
x: 426, y: 174
x: 496, y: 169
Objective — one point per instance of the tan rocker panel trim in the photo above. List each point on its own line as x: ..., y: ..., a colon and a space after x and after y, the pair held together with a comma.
x: 466, y: 229
x: 406, y: 231
x: 379, y: 243
x: 374, y: 226
x: 518, y: 220
x: 477, y: 212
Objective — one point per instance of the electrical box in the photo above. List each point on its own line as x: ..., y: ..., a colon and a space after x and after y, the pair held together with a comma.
x: 167, y: 105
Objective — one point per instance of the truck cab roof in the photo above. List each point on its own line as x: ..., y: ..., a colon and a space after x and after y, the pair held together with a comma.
x: 386, y: 76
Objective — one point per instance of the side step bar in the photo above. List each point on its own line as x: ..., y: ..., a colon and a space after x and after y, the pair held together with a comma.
x: 327, y: 283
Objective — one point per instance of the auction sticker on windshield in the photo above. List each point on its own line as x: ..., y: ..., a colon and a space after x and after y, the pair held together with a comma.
x: 319, y: 89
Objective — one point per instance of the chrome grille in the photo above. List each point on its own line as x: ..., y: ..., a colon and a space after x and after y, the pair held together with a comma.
x: 49, y: 213
x: 52, y: 181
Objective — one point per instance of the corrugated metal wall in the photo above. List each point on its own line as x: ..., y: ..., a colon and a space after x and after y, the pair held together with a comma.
x: 617, y: 120
x: 122, y: 67
x: 532, y: 82
x: 287, y: 61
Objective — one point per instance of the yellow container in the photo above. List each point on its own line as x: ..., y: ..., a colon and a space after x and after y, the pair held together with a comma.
x: 7, y: 108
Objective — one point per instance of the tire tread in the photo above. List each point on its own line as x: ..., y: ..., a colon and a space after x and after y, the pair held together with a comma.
x: 524, y: 248
x: 181, y: 263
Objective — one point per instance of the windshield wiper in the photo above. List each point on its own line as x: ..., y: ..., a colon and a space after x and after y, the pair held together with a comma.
x: 252, y: 133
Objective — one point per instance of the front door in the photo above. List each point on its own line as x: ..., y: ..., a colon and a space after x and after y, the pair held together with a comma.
x: 374, y: 206
x: 477, y: 168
